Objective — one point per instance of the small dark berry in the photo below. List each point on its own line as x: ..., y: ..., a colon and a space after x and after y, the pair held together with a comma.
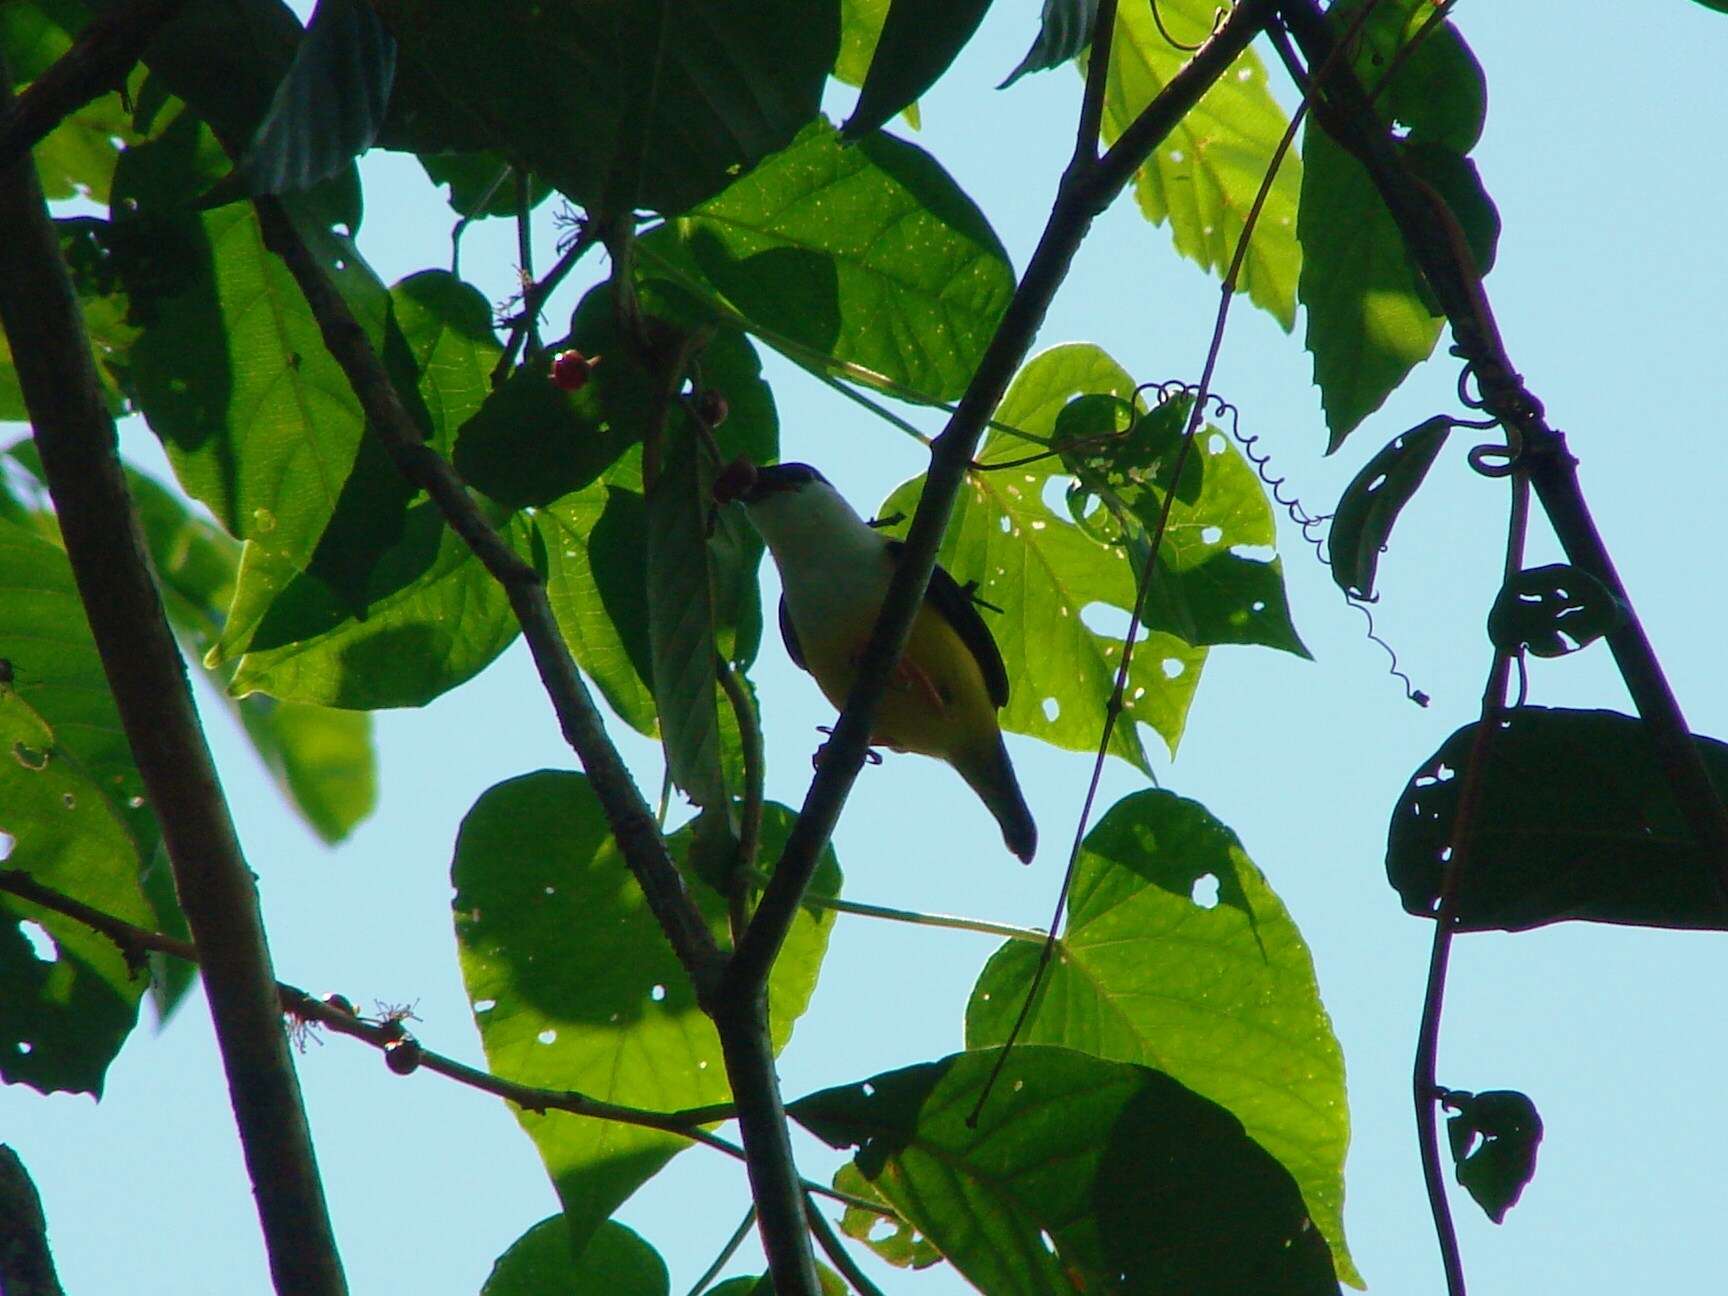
x: 712, y: 407
x: 403, y: 1056
x: 734, y: 481
x: 571, y: 370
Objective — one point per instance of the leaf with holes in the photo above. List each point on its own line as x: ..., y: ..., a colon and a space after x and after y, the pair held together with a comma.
x: 542, y: 1262
x: 1494, y: 1139
x: 1373, y: 500
x: 918, y: 42
x: 574, y: 986
x: 865, y: 259
x: 1177, y: 955
x: 1064, y: 30
x: 1574, y: 821
x: 1204, y: 177
x: 654, y: 106
x: 1420, y: 72
x: 1211, y: 584
x: 1054, y: 579
x: 893, y: 1239
x: 67, y: 997
x: 1552, y: 611
x: 1080, y: 1174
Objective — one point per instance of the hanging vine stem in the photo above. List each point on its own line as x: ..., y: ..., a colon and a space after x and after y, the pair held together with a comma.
x: 726, y: 1252
x: 1425, y: 1088
x: 1113, y: 708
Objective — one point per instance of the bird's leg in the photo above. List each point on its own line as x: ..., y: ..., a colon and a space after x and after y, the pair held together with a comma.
x: 870, y: 753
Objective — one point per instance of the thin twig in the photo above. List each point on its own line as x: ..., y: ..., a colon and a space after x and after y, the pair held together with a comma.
x: 134, y: 942
x: 726, y: 1253
x: 535, y: 296
x: 525, y: 260
x: 76, y: 438
x: 97, y: 64
x: 1425, y: 1085
x: 1437, y: 245
x: 750, y: 813
x: 632, y: 822
x: 1081, y: 196
x: 836, y: 1252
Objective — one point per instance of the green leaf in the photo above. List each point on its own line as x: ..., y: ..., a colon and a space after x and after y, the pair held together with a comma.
x: 1368, y: 321
x: 574, y: 986
x: 56, y: 670
x: 232, y: 374
x: 901, y: 1245
x: 1177, y: 955
x: 330, y: 105
x: 1064, y: 29
x: 1552, y: 611
x: 1203, y: 178
x: 854, y: 258
x: 425, y: 615
x: 860, y: 28
x: 1494, y: 1139
x: 473, y: 176
x: 1436, y: 89
x: 1080, y: 1174
x: 652, y: 106
x: 67, y: 997
x: 681, y: 615
x: 1210, y: 586
x: 1048, y: 575
x: 543, y: 1262
x: 321, y: 759
x: 1456, y: 180
x: 919, y: 39
x: 1372, y: 501
x: 597, y: 583
x: 1574, y: 820
x: 829, y: 1283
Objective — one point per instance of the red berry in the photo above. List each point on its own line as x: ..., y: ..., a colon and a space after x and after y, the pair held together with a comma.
x: 571, y: 370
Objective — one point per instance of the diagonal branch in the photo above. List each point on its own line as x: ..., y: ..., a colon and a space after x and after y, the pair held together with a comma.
x: 632, y: 820
x: 1437, y: 245
x: 80, y: 459
x: 96, y: 64
x: 1087, y: 188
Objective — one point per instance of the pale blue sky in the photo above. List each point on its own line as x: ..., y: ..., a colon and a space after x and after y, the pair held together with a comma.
x: 1603, y: 151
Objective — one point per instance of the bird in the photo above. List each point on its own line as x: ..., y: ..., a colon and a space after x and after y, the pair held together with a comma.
x: 834, y: 570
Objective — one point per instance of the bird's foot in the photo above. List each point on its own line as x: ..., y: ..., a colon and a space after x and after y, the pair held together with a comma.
x: 871, y: 755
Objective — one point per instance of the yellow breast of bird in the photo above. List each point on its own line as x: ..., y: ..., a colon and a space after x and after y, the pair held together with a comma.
x: 937, y: 702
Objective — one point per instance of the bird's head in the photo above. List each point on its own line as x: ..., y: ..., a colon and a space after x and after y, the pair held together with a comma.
x: 790, y: 503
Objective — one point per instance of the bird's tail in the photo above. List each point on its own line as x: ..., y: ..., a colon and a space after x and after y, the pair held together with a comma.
x: 991, y: 776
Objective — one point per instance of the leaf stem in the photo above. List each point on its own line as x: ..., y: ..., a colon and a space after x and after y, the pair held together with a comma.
x: 76, y: 439
x: 918, y: 918
x: 836, y: 1251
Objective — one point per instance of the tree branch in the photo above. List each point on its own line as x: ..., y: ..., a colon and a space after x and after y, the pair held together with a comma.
x: 1437, y: 245
x: 96, y: 64
x: 76, y: 439
x: 135, y: 942
x: 632, y: 821
x: 1086, y: 190
x: 26, y: 1264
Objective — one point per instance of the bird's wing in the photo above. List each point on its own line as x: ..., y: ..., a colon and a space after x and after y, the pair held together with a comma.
x: 794, y: 649
x: 957, y: 609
